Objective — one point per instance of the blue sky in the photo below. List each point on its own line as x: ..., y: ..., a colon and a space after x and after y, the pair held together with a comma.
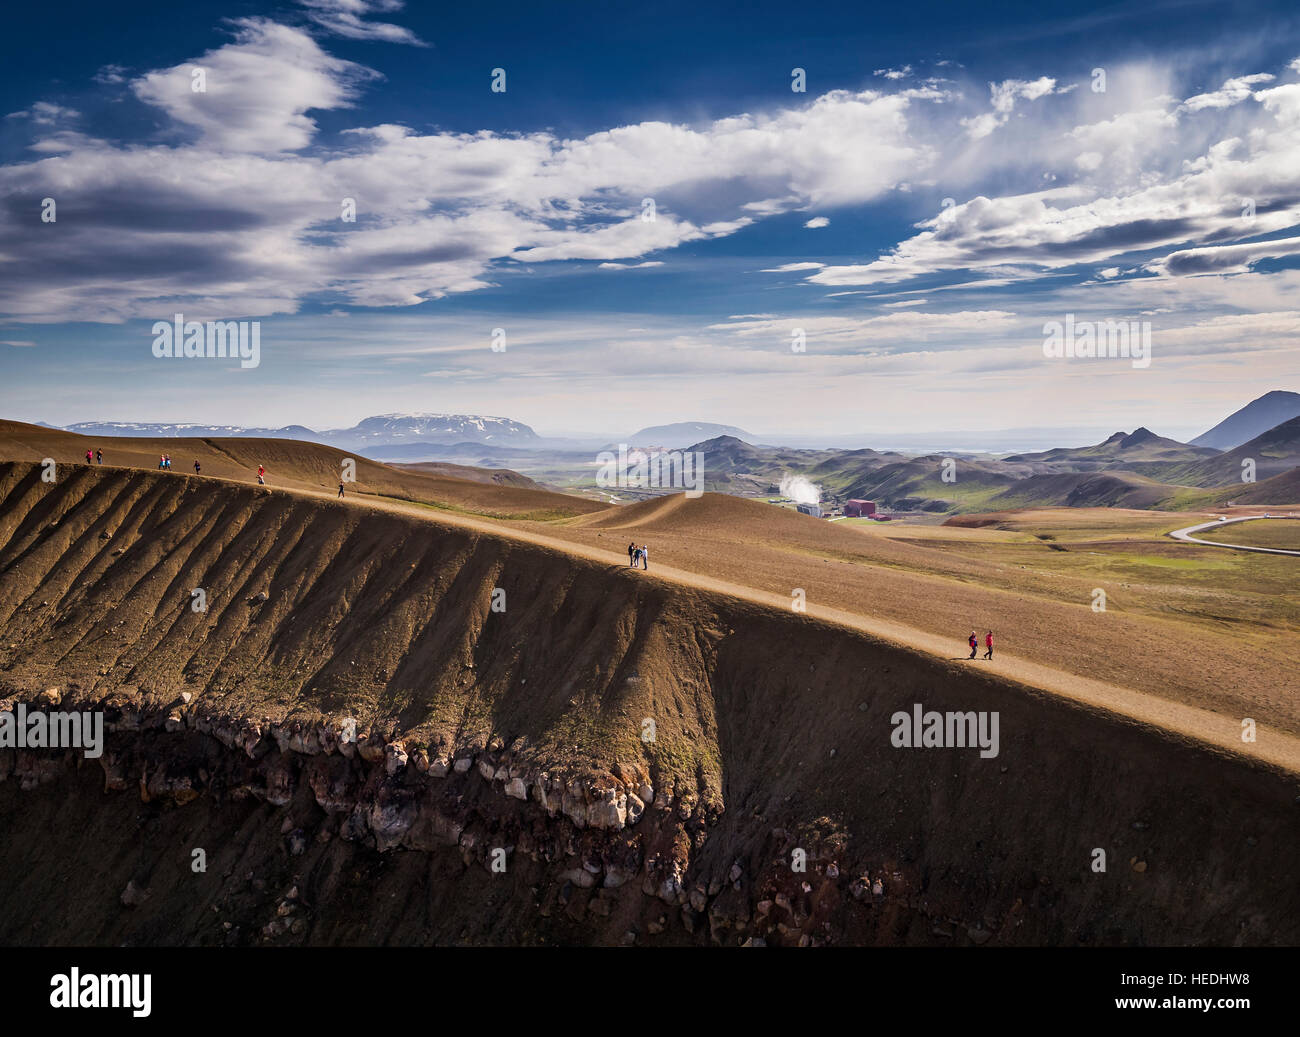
x: 951, y: 178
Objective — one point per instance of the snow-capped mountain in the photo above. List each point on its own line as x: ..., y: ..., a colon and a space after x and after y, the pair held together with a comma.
x: 389, y: 429
x: 172, y: 429
x: 377, y: 431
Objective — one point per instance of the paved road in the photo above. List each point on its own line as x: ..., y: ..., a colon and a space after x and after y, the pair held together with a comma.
x: 1186, y: 534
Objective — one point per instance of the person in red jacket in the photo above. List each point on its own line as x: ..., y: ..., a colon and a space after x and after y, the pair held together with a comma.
x: 974, y: 643
x: 988, y: 645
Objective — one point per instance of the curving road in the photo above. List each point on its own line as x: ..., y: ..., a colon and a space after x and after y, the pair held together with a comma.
x: 1186, y: 534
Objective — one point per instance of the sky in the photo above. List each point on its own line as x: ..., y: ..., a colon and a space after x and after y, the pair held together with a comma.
x: 813, y: 219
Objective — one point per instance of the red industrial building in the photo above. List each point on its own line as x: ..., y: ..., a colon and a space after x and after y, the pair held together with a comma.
x: 859, y: 509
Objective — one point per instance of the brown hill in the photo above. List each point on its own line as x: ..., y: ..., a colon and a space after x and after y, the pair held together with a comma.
x: 299, y: 465
x: 1086, y: 490
x: 496, y: 476
x: 1280, y: 489
x: 771, y: 731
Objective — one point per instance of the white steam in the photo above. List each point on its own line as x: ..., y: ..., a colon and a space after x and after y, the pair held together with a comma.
x: 800, y: 490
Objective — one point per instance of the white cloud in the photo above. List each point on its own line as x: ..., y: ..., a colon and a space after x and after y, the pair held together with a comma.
x: 242, y: 220
x: 872, y: 332
x: 111, y: 75
x: 1226, y: 259
x: 1119, y: 147
x: 44, y: 113
x: 1233, y: 91
x: 436, y: 212
x: 1003, y: 96
x: 348, y: 18
x: 1156, y: 193
x: 257, y: 89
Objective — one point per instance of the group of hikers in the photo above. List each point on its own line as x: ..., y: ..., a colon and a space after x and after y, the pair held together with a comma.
x: 638, y: 554
x: 974, y: 643
x: 165, y: 464
x: 96, y: 456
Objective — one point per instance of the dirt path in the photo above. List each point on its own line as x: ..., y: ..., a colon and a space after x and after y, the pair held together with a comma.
x: 1272, y: 746
x: 1185, y: 534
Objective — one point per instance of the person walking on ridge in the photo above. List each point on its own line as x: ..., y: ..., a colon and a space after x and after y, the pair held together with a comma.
x: 988, y: 645
x: 645, y: 556
x: 974, y: 643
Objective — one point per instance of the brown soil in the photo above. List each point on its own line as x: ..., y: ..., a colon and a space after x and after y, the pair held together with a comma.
x: 291, y: 464
x: 772, y: 732
x: 1159, y: 636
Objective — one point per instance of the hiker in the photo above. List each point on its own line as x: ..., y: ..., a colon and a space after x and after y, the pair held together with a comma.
x: 197, y: 469
x: 645, y: 556
x: 99, y: 456
x: 988, y: 645
x: 340, y: 489
x: 631, y: 554
x: 160, y: 462
x: 167, y: 462
x: 89, y: 457
x: 636, y: 556
x: 974, y: 643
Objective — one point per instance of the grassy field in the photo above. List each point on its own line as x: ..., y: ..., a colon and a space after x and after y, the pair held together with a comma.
x: 1283, y: 533
x: 1062, y: 553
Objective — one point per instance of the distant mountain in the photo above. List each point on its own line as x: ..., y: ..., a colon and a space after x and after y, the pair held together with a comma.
x: 1281, y: 489
x: 392, y: 429
x: 733, y: 466
x: 1085, y: 490
x: 467, y: 453
x: 729, y: 454
x: 684, y: 433
x: 175, y: 429
x: 1119, y: 450
x: 1274, y: 452
x: 1258, y: 416
x: 382, y: 430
